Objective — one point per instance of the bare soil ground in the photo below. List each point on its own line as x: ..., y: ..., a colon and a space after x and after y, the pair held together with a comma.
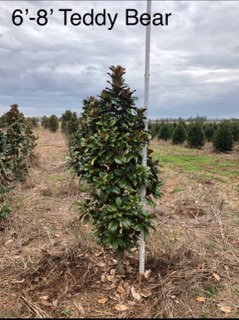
x: 51, y: 266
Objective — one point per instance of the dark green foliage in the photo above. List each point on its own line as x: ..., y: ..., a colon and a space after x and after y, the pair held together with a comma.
x: 44, y: 122
x: 65, y: 118
x: 171, y: 129
x: 32, y: 121
x: 73, y: 124
x: 53, y: 123
x: 195, y: 135
x: 16, y: 147
x: 69, y: 126
x: 223, y: 138
x: 209, y: 130
x: 174, y: 125
x: 107, y: 153
x: 154, y: 128
x: 235, y: 131
x: 69, y: 122
x: 179, y: 134
x: 2, y: 120
x: 165, y: 131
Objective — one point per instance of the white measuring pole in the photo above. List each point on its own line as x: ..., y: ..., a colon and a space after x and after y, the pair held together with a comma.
x: 144, y: 153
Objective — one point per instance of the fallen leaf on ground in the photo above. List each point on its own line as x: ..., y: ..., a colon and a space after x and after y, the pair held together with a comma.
x: 117, y: 297
x: 121, y: 307
x: 112, y: 272
x: 45, y: 252
x: 110, y: 278
x: 127, y: 262
x: 103, y: 278
x: 145, y: 292
x: 120, y: 289
x: 216, y: 276
x: 98, y: 254
x: 126, y: 285
x: 112, y: 286
x: 135, y: 294
x: 103, y: 300
x: 147, y: 274
x: 44, y: 297
x: 200, y: 299
x: 8, y: 242
x: 101, y: 264
x: 226, y: 309
x: 129, y: 269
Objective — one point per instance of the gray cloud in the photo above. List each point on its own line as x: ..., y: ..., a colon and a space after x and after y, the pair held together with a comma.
x: 194, y: 60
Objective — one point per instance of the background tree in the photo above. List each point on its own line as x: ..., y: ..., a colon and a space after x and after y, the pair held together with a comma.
x: 179, y: 134
x: 195, y: 135
x: 44, y: 122
x: 154, y: 127
x: 32, y: 121
x: 235, y: 131
x: 53, y: 123
x: 209, y: 130
x: 107, y: 152
x: 69, y: 125
x: 151, y: 128
x: 223, y: 138
x: 73, y: 124
x: 65, y: 118
x: 16, y: 149
x: 164, y: 131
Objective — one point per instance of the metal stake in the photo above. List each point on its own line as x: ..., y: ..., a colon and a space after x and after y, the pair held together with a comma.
x: 144, y: 152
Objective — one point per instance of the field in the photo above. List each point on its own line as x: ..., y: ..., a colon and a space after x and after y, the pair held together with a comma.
x: 51, y: 266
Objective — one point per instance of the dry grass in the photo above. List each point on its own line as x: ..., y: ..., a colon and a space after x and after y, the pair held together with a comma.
x: 51, y: 267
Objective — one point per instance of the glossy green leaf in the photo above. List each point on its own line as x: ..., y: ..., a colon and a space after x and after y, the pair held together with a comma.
x: 118, y: 202
x: 113, y: 225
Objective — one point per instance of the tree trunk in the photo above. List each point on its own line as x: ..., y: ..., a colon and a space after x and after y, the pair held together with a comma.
x: 120, y: 264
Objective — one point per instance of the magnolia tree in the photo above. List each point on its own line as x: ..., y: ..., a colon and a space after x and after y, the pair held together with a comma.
x: 53, y: 123
x: 106, y: 152
x: 17, y: 143
x: 69, y: 125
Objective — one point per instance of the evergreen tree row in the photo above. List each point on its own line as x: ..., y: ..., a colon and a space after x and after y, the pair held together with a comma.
x: 223, y: 135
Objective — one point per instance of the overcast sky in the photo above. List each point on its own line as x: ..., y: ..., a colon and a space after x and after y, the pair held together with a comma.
x: 194, y: 60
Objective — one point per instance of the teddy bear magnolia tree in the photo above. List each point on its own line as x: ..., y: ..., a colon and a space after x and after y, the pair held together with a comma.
x: 107, y: 153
